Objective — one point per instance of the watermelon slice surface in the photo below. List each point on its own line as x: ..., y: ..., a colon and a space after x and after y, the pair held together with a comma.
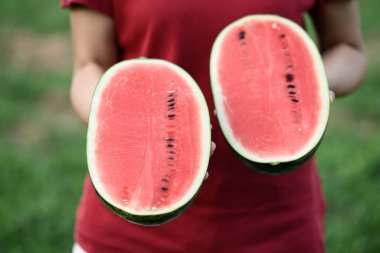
x: 270, y: 91
x: 148, y: 141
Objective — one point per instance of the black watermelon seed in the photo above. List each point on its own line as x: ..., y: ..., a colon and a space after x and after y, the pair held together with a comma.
x: 292, y: 92
x: 242, y: 35
x: 289, y: 77
x: 171, y: 115
x: 172, y: 104
x: 171, y: 157
x: 164, y: 189
x: 171, y: 108
x: 282, y: 35
x: 171, y: 100
x: 295, y: 100
x: 170, y: 145
x: 291, y: 86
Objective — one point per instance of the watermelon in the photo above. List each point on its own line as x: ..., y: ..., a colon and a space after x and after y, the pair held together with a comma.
x: 270, y: 92
x: 148, y: 140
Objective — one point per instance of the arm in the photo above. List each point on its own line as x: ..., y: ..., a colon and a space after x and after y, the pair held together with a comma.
x: 94, y: 49
x: 341, y: 43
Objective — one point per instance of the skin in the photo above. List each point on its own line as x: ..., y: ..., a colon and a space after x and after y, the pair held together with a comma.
x: 95, y: 50
x: 94, y: 47
x: 342, y: 46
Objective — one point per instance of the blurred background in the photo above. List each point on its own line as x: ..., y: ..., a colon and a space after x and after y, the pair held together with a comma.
x: 42, y: 143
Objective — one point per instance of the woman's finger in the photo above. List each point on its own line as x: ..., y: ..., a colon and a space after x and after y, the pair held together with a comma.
x: 213, y: 147
x: 332, y: 97
x: 206, y: 176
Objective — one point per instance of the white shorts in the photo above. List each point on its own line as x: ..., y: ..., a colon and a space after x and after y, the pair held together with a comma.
x: 78, y: 249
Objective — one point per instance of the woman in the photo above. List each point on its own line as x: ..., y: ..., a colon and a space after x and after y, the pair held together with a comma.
x: 237, y: 210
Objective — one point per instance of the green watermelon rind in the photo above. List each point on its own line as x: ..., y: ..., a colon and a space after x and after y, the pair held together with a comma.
x: 146, y: 220
x: 285, y: 164
x: 280, y: 168
x: 161, y: 216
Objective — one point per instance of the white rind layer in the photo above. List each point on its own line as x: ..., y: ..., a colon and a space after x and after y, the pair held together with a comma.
x: 218, y: 95
x: 205, y: 132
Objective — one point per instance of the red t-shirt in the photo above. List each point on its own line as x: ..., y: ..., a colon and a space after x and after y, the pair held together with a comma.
x: 237, y: 209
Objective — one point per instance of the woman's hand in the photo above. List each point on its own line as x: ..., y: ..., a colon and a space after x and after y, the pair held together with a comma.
x: 332, y: 97
x: 213, y: 147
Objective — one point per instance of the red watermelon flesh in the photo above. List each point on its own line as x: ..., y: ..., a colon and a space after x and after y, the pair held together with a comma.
x: 149, y: 137
x: 270, y: 89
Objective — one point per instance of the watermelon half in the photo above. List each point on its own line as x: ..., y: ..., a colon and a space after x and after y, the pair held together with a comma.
x: 270, y: 92
x: 148, y: 141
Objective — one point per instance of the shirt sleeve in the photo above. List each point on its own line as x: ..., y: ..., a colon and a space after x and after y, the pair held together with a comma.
x: 319, y: 6
x: 335, y: 1
x: 102, y: 6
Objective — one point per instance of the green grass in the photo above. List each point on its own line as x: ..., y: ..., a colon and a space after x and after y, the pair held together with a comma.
x: 42, y: 144
x: 42, y: 163
x: 349, y: 162
x: 39, y: 16
x: 42, y: 148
